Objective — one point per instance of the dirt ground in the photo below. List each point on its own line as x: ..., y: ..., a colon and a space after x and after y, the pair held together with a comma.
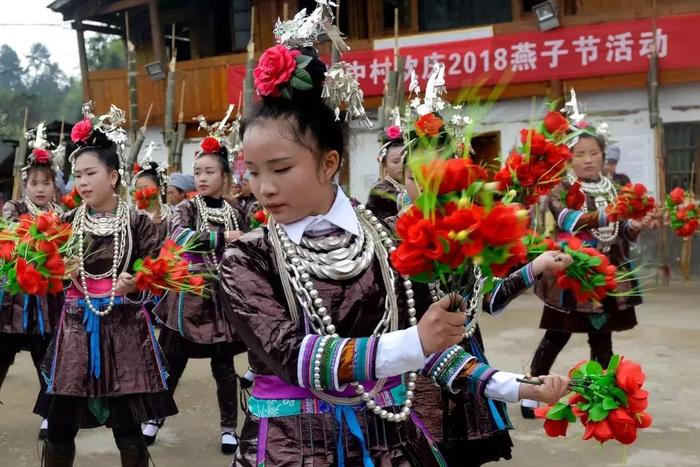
x: 667, y: 343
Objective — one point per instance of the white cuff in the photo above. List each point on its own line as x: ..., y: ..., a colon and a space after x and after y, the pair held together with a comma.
x: 399, y: 352
x: 503, y: 387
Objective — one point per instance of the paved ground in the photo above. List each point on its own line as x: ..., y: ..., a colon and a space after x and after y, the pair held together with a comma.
x: 667, y: 342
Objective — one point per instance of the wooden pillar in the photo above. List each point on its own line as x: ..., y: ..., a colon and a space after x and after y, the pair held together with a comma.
x: 517, y: 9
x: 156, y: 31
x: 82, y: 54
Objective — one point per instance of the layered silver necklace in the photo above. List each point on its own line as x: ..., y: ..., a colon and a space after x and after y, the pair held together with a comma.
x: 225, y: 215
x: 603, y: 193
x: 117, y: 226
x: 352, y: 256
x: 35, y: 210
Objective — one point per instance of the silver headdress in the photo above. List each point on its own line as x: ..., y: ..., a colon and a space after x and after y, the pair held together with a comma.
x: 340, y: 87
x: 109, y: 124
x: 579, y: 125
x: 224, y: 132
x: 41, y: 153
x: 304, y: 30
x: 148, y: 163
x: 456, y: 119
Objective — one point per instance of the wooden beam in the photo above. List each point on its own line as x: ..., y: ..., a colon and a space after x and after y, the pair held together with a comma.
x: 101, y: 29
x: 120, y: 6
x: 156, y: 31
x: 82, y: 55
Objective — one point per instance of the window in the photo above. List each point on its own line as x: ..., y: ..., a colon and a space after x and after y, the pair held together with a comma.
x: 404, y: 13
x: 447, y: 14
x: 240, y: 19
x: 682, y: 154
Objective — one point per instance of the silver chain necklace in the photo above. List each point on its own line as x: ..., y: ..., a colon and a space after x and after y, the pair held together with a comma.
x: 476, y: 299
x: 299, y: 288
x: 603, y: 193
x: 35, y: 210
x: 117, y: 226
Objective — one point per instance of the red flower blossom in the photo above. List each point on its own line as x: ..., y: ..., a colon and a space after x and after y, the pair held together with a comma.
x: 41, y: 156
x: 453, y: 175
x: 137, y: 168
x: 677, y: 195
x: 210, y: 145
x: 54, y: 264
x: 601, y: 431
x: 55, y: 285
x: 629, y: 376
x: 623, y: 425
x: 81, y: 131
x: 638, y: 401
x: 7, y: 249
x: 146, y: 197
x: 503, y: 225
x: 29, y: 279
x: 574, y: 196
x: 643, y: 420
x: 393, y: 132
x: 688, y: 229
x: 555, y: 123
x: 539, y: 144
x: 429, y: 125
x: 275, y: 68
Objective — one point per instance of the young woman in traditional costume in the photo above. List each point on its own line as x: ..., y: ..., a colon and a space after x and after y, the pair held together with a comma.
x: 195, y: 326
x: 470, y: 429
x: 320, y: 270
x: 104, y: 366
x: 150, y: 175
x: 563, y: 314
x: 27, y: 322
x: 386, y: 196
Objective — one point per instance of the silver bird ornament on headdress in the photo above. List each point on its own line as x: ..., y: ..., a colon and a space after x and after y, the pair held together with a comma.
x: 304, y: 30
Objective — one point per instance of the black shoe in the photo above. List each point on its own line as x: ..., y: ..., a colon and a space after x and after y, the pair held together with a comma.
x: 150, y: 431
x: 229, y: 442
x: 527, y: 412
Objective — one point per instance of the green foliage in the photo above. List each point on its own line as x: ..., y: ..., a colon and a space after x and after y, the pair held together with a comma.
x: 105, y: 52
x: 38, y: 85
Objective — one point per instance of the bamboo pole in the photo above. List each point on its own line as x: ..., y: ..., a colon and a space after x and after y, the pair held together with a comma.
x: 180, y: 135
x: 248, y: 83
x: 20, y: 155
x: 132, y: 83
x: 663, y: 274
x: 168, y: 133
x: 285, y: 11
x: 136, y: 147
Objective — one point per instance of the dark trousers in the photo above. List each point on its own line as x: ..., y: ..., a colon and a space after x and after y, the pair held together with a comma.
x: 221, y: 369
x: 554, y: 341
x: 12, y: 344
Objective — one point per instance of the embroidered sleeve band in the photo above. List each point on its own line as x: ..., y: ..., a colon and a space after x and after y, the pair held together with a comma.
x: 327, y: 362
x: 456, y: 365
x: 568, y: 218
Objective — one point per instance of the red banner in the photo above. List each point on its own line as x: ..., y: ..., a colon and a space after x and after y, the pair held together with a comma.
x: 564, y: 53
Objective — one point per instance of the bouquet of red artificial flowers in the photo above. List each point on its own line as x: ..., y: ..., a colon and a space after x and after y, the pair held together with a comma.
x: 610, y: 403
x: 456, y: 222
x: 632, y: 202
x: 31, y: 254
x: 683, y: 212
x: 147, y: 197
x: 259, y: 218
x: 168, y: 272
x: 537, y: 165
x: 72, y: 200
